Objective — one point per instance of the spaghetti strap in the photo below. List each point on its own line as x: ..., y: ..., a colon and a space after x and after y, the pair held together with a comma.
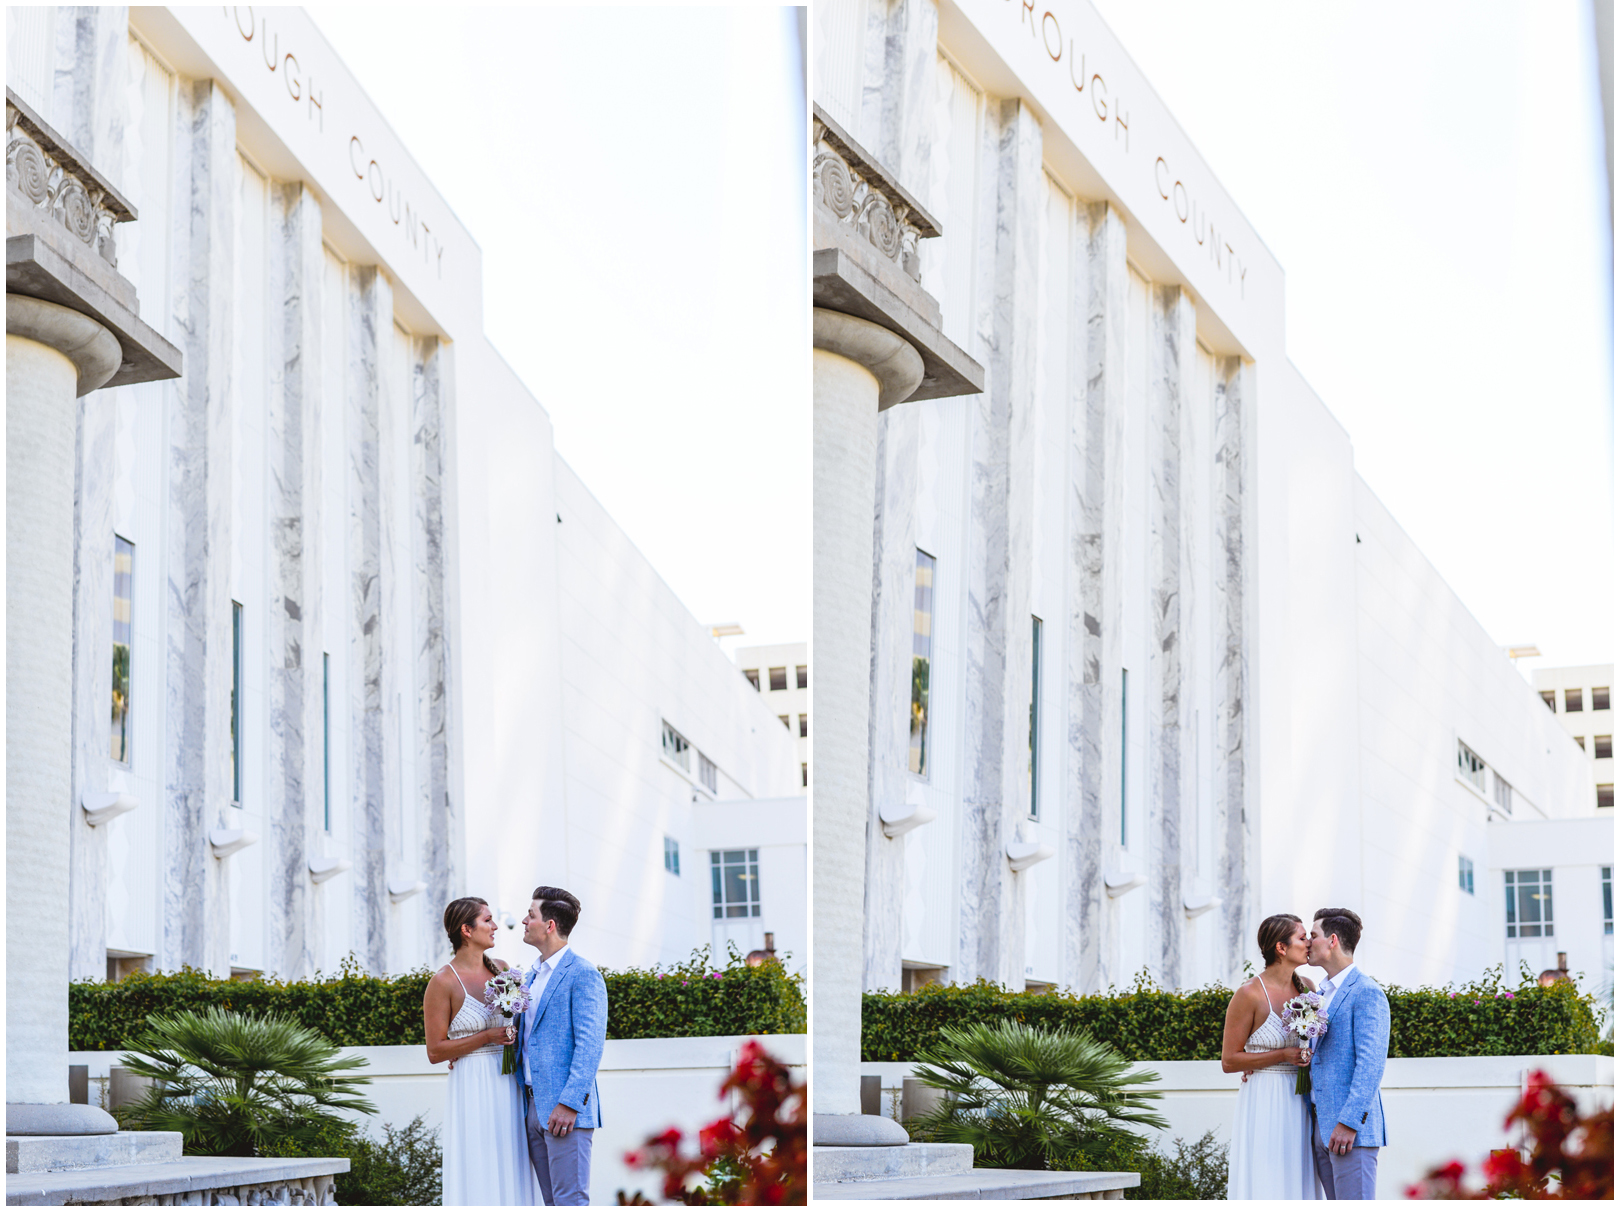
x: 467, y: 991
x: 1258, y: 980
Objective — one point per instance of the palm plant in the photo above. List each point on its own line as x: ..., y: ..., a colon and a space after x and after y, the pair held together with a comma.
x: 1030, y: 1098
x: 234, y: 1083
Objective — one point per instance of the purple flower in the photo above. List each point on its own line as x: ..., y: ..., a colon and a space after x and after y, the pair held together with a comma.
x: 1454, y: 996
x: 1508, y: 995
x: 717, y: 975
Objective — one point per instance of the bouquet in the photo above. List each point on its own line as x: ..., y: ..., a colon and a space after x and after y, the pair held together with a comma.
x: 506, y: 994
x: 1305, y: 1016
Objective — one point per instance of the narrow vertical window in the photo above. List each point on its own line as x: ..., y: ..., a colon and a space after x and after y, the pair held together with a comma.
x: 122, y: 632
x: 924, y: 585
x: 1036, y: 698
x: 1123, y: 757
x: 1608, y: 900
x: 326, y: 762
x: 235, y: 700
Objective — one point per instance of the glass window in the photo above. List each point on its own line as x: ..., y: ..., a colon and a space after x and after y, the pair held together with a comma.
x: 777, y: 678
x: 801, y: 678
x: 1581, y: 741
x: 924, y: 586
x: 736, y: 888
x: 1504, y: 793
x: 1471, y: 767
x: 785, y: 720
x: 708, y: 773
x: 1465, y: 874
x: 674, y: 746
x: 1605, y: 795
x: 1036, y: 696
x: 122, y: 637
x: 1603, y: 747
x: 669, y: 855
x: 1608, y: 900
x: 1572, y: 699
x: 804, y: 774
x: 235, y: 699
x: 754, y: 677
x: 1529, y: 903
x: 802, y: 730
x: 1599, y: 699
x: 1550, y: 698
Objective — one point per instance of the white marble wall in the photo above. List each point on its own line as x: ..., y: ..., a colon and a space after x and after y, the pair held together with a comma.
x: 1146, y: 486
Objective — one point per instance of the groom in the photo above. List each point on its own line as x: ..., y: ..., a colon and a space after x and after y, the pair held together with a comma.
x: 1347, y: 1114
x: 562, y: 1041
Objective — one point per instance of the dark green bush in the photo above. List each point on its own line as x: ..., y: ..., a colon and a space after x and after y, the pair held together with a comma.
x: 1147, y: 1022
x: 354, y: 1009
x: 1194, y: 1171
x: 404, y: 1167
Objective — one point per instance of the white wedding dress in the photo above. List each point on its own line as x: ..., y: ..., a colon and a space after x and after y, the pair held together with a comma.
x: 485, y: 1160
x: 1269, y: 1152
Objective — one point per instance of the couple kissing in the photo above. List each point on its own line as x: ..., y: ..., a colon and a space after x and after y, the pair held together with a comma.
x: 522, y: 1123
x: 1309, y: 1121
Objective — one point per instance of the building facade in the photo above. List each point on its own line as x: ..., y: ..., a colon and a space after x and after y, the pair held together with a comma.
x: 781, y: 675
x: 1579, y: 695
x: 1150, y: 660
x: 349, y: 638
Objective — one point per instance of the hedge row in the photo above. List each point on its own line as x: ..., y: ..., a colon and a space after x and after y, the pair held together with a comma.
x: 354, y: 1009
x: 1147, y: 1022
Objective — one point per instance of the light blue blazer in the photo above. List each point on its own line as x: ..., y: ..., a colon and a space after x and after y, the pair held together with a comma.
x: 563, y: 1040
x: 1349, y: 1062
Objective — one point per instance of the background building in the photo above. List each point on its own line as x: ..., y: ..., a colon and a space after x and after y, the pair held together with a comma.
x: 780, y: 674
x: 348, y: 635
x: 1151, y: 660
x: 1580, y: 697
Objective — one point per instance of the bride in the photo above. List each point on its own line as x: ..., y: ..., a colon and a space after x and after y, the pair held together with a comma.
x: 1269, y: 1153
x: 485, y: 1156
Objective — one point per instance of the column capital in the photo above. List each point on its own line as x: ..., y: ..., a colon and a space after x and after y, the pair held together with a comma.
x: 892, y: 359
x: 90, y: 346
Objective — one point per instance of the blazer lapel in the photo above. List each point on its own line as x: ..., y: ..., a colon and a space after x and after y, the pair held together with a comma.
x: 1345, y: 991
x: 556, y: 978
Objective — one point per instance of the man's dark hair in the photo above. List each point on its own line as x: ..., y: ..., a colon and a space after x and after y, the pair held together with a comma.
x: 1342, y: 924
x: 559, y: 906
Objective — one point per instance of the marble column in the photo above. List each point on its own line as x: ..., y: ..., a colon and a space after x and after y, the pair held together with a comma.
x: 1171, y: 351
x: 195, y: 910
x: 898, y: 114
x: 890, y: 687
x: 294, y: 782
x: 440, y: 854
x: 53, y: 357
x: 997, y: 640
x: 1232, y: 409
x: 857, y: 368
x: 1093, y: 789
x: 369, y: 339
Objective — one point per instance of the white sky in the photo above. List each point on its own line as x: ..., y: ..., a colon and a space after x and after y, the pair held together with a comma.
x: 1430, y: 176
x: 636, y: 179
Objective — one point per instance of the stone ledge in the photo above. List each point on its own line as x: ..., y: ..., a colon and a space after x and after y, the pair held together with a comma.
x: 981, y: 1184
x: 879, y: 1163
x: 57, y: 1153
x: 188, y: 1175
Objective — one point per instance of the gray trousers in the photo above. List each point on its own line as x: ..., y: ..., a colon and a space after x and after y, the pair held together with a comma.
x: 562, y: 1165
x: 1352, y: 1177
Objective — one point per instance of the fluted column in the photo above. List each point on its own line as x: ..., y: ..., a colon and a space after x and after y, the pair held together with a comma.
x: 53, y: 356
x: 857, y: 366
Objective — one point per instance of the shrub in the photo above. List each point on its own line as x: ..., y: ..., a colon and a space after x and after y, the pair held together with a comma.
x: 1027, y: 1097
x: 231, y: 1084
x: 1186, y: 1171
x: 1147, y: 1022
x: 354, y: 1009
x: 404, y: 1167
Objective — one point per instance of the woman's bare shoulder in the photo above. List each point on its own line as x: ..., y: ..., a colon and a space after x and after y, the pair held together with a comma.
x: 1306, y: 980
x: 503, y: 966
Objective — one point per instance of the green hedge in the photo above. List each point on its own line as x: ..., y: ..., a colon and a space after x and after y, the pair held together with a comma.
x: 1147, y: 1022
x: 354, y: 1009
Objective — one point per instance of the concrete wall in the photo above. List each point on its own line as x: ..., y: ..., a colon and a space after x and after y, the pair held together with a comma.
x: 1435, y: 1110
x: 646, y: 1085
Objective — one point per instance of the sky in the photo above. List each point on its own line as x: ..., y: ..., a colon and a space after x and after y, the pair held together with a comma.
x: 636, y: 179
x: 1430, y: 176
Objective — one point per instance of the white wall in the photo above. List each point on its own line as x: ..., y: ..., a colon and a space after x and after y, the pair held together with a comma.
x: 646, y: 1085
